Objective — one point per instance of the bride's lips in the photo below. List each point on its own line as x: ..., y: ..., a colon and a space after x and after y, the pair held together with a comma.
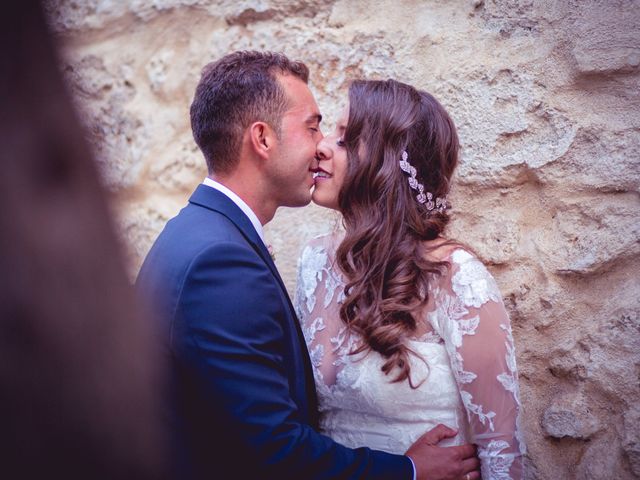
x: 319, y: 174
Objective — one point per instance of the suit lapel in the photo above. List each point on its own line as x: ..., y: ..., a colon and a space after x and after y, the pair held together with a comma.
x: 212, y: 199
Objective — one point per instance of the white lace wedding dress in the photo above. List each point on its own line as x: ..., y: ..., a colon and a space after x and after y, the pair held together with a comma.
x: 468, y: 367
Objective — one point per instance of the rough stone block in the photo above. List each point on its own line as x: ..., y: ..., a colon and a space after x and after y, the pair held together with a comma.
x: 570, y: 416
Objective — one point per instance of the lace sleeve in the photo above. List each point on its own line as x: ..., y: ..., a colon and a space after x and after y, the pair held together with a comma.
x: 317, y: 304
x: 474, y: 324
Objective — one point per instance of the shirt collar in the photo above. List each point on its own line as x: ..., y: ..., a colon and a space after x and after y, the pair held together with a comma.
x: 240, y: 203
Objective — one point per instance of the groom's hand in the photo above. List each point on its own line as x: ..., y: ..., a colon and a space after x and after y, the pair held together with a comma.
x: 443, y: 463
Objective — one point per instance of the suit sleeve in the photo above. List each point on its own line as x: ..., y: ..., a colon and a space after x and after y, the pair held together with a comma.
x: 228, y: 331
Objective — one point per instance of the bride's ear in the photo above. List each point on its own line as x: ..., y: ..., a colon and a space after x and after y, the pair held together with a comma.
x: 262, y: 139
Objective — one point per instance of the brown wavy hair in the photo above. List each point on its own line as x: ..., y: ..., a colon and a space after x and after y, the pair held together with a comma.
x: 382, y: 254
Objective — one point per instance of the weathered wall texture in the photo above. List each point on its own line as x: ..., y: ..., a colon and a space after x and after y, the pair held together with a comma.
x: 546, y: 95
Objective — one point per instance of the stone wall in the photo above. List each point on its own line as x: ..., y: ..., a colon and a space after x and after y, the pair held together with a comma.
x: 546, y: 96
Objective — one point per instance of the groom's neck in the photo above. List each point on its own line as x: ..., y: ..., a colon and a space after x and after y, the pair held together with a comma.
x: 249, y: 187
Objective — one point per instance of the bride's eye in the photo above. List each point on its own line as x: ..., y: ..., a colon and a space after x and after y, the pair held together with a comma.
x: 340, y: 143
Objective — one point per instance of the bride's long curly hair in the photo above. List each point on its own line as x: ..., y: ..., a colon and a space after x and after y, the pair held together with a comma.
x: 382, y: 254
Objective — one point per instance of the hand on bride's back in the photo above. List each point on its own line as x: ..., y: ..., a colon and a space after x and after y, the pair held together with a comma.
x: 443, y: 463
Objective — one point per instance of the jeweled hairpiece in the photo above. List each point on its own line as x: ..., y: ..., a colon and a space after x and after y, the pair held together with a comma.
x: 423, y: 198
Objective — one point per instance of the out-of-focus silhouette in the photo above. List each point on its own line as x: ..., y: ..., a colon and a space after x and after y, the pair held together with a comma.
x: 79, y: 376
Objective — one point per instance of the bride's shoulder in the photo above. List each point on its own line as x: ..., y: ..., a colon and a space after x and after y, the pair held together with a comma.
x: 450, y: 251
x: 460, y: 258
x: 440, y: 249
x: 468, y: 277
x: 462, y: 255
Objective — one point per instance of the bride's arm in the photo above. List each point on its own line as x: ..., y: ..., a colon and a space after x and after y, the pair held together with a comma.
x: 476, y: 329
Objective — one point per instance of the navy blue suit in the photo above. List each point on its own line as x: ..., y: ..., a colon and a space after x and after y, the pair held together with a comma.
x: 242, y: 398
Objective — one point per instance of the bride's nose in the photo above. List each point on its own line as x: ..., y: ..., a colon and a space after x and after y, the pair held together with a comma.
x: 323, y: 151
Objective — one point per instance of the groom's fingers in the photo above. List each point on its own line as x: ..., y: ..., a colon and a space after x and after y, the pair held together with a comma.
x: 437, y: 433
x: 474, y: 475
x: 466, y: 452
x: 470, y: 465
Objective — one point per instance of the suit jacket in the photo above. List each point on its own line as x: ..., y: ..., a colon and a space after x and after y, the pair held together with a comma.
x: 242, y: 400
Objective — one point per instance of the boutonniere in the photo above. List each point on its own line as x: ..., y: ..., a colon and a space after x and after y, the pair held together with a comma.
x: 271, y: 252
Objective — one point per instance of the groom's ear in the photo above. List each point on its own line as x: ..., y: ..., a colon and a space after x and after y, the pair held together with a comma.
x: 262, y: 139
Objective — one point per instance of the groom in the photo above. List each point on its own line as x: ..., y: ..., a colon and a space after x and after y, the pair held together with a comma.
x: 242, y: 400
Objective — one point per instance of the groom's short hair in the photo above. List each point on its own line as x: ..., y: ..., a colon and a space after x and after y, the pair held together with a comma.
x: 237, y: 90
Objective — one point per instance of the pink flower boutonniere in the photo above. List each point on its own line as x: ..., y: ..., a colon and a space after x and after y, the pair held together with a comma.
x: 271, y: 252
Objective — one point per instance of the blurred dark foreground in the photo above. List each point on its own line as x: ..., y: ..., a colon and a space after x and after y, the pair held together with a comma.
x: 79, y: 372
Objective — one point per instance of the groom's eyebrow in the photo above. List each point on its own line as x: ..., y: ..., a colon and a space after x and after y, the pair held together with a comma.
x: 313, y: 119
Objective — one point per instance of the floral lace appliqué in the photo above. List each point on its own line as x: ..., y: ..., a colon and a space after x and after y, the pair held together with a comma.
x: 496, y: 463
x: 473, y: 284
x: 313, y: 259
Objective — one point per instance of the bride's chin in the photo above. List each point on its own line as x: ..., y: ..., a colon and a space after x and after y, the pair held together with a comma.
x: 314, y: 199
x: 318, y: 200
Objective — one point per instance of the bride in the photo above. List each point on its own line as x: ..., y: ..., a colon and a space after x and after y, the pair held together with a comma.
x: 406, y: 329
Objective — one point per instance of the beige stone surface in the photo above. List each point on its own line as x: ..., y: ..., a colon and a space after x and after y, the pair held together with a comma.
x: 546, y: 96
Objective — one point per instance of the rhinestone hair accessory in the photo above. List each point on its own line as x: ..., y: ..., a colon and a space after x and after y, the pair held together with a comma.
x: 423, y: 198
